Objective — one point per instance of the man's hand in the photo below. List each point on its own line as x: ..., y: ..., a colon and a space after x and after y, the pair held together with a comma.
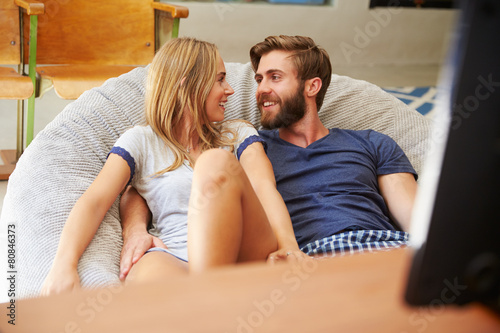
x: 134, y: 247
x: 135, y: 216
x: 286, y: 255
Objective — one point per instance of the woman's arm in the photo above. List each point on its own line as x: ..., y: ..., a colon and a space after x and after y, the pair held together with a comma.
x: 83, y: 222
x: 399, y: 191
x: 260, y: 172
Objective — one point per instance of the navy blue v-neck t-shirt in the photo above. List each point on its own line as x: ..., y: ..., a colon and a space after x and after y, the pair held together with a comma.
x: 331, y: 185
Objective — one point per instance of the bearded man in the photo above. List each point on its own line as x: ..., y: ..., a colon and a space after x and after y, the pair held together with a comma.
x: 345, y: 190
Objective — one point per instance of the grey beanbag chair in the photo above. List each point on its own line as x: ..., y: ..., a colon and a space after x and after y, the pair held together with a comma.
x: 67, y: 155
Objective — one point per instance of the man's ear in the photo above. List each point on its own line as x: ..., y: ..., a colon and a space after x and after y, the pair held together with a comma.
x: 313, y: 86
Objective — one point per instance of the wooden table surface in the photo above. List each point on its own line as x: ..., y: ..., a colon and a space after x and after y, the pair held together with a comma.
x: 360, y: 293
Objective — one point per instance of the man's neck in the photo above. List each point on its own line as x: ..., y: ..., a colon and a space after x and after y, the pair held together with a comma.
x: 304, y: 132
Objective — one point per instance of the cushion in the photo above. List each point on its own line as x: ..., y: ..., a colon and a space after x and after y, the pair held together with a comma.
x: 67, y: 155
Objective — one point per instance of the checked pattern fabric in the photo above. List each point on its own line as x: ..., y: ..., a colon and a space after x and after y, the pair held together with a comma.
x: 356, y: 241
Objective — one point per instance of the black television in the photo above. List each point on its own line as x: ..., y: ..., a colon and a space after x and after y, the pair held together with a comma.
x: 455, y: 231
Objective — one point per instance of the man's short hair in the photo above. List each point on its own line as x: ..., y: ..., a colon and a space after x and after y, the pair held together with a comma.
x: 310, y: 59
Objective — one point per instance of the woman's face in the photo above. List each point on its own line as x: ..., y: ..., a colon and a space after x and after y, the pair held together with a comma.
x: 217, y: 98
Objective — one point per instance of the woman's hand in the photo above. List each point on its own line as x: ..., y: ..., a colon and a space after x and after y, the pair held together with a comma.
x: 60, y: 280
x: 82, y: 224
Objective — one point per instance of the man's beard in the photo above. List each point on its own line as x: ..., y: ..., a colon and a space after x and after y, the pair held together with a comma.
x: 292, y: 110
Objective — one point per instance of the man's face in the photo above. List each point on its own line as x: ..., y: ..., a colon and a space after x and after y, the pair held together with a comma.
x: 280, y: 95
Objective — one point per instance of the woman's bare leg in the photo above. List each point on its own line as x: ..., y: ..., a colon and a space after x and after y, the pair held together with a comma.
x: 156, y: 265
x: 226, y: 221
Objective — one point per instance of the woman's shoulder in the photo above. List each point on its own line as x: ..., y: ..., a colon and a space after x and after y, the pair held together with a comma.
x: 142, y: 131
x: 145, y: 129
x: 137, y: 135
x: 237, y: 124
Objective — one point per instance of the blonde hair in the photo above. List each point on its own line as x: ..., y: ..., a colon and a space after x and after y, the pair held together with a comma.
x: 180, y: 78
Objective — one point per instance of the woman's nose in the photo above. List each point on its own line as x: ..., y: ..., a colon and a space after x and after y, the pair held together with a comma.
x: 229, y: 90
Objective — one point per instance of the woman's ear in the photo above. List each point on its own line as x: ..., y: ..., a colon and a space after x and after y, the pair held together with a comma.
x: 313, y: 86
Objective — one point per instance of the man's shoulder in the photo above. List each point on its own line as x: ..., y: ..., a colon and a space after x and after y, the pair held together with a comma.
x: 267, y: 134
x: 366, y: 134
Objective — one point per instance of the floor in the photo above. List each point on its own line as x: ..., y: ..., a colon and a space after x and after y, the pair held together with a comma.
x: 49, y: 105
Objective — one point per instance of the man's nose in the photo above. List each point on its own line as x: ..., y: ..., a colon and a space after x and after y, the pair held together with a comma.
x: 263, y: 88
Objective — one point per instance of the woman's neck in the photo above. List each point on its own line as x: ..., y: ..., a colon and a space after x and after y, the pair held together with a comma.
x: 184, y: 134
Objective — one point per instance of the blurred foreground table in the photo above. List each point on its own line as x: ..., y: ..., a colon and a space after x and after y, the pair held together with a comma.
x: 361, y: 293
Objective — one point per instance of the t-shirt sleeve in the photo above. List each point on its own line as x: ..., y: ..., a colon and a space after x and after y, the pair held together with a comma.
x: 390, y: 157
x: 128, y: 146
x: 247, y: 135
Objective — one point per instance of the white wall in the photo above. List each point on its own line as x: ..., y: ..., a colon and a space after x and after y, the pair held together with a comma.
x: 362, y: 43
x: 353, y: 34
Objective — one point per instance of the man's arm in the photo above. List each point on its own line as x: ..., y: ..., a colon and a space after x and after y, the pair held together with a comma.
x: 398, y: 191
x: 260, y: 173
x: 135, y: 216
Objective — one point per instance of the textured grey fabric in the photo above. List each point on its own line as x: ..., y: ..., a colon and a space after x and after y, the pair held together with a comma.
x: 67, y: 155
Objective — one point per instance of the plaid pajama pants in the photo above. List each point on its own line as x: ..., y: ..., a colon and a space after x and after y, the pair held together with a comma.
x: 356, y: 241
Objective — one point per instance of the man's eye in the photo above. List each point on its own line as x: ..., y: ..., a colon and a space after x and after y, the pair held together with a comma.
x: 275, y: 77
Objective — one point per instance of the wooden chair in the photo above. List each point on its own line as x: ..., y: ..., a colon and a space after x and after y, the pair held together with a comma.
x: 15, y: 84
x: 82, y: 43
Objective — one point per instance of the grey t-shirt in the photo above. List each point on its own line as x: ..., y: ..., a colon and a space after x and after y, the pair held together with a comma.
x: 167, y: 195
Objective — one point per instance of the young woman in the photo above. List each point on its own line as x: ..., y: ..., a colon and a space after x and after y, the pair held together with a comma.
x: 207, y: 182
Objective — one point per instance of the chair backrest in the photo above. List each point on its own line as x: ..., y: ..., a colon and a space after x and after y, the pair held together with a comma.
x: 9, y: 33
x: 111, y: 32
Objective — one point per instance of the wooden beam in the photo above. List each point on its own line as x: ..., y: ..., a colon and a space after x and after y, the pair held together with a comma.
x: 13, y: 85
x: 71, y: 81
x: 32, y: 7
x: 175, y: 10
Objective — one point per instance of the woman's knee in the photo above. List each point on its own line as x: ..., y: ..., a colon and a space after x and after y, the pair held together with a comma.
x: 215, y: 168
x: 217, y: 159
